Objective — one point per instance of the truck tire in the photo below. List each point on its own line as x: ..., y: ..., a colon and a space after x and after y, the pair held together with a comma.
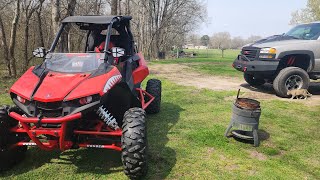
x: 252, y: 81
x: 154, y: 88
x: 9, y: 156
x: 290, y: 78
x: 134, y: 143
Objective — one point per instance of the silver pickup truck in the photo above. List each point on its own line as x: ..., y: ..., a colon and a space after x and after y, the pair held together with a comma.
x: 287, y: 61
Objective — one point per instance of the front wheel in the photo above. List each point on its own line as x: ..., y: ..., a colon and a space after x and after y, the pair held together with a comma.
x: 252, y: 81
x: 134, y: 143
x: 9, y: 155
x: 290, y: 78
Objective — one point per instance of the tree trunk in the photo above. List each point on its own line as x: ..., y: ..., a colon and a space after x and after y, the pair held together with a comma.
x: 5, y: 46
x: 55, y: 13
x: 64, y: 42
x: 127, y: 7
x: 39, y: 13
x: 13, y: 38
x: 114, y: 7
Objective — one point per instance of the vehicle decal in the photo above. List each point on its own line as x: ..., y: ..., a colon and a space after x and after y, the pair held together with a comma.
x: 111, y: 82
x: 95, y: 146
x: 29, y: 144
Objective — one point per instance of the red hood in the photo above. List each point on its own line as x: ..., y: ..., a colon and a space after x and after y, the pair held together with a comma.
x: 25, y: 85
x: 56, y: 86
x: 61, y: 86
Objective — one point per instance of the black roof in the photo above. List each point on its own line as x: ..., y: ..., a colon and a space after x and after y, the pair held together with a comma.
x: 94, y: 19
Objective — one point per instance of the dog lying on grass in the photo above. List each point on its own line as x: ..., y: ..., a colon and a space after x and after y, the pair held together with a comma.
x: 299, y: 94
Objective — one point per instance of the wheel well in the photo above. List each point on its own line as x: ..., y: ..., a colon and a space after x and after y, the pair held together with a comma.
x: 302, y: 61
x: 118, y: 100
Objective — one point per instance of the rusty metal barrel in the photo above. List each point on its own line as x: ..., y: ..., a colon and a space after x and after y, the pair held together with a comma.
x: 245, y: 120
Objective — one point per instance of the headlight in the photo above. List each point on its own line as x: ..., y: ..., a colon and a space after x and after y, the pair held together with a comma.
x: 21, y: 99
x: 268, y: 51
x: 86, y: 100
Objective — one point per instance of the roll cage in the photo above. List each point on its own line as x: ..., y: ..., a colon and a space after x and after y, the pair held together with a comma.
x: 99, y: 23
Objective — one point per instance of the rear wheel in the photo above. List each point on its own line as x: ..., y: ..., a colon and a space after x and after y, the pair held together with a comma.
x: 9, y: 156
x: 290, y: 78
x: 154, y: 88
x: 252, y: 81
x: 134, y: 143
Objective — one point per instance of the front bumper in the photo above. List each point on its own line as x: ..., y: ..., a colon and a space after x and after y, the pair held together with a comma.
x: 243, y: 64
x: 45, y: 120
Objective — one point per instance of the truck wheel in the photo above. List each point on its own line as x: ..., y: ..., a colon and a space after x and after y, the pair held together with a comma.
x: 9, y: 156
x: 250, y: 79
x: 290, y: 78
x: 154, y: 88
x: 134, y: 143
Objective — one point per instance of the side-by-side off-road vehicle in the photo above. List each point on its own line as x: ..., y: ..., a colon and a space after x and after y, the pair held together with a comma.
x: 88, y: 99
x: 288, y: 61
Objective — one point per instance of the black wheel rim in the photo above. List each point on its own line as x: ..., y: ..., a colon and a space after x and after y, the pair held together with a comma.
x: 294, y: 82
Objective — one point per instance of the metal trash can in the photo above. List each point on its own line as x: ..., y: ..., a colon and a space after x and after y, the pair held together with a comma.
x: 245, y: 119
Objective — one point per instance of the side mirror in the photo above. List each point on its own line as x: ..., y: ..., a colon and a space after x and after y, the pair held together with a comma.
x: 117, y: 52
x: 40, y: 52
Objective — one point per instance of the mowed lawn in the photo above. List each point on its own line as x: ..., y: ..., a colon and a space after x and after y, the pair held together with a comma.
x: 208, y: 61
x: 186, y: 142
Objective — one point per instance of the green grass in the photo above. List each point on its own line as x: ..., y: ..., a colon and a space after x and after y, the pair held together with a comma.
x: 186, y: 142
x: 208, y: 62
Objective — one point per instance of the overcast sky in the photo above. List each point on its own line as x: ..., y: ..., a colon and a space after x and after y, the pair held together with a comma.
x: 250, y: 17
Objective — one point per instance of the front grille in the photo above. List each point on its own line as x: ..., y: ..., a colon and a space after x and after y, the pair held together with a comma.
x: 49, y: 106
x: 51, y: 109
x: 250, y: 53
x: 52, y: 113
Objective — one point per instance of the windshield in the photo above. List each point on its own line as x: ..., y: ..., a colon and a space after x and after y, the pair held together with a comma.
x: 74, y: 62
x: 305, y: 31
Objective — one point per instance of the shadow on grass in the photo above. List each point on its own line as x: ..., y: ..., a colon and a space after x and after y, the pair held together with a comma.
x: 262, y: 134
x: 161, y: 157
x: 266, y: 88
x: 95, y: 161
x: 35, y: 158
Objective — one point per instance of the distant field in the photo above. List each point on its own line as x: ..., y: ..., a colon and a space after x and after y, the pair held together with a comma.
x: 209, y: 62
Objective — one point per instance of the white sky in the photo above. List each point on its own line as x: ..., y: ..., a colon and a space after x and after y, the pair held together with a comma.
x: 250, y: 17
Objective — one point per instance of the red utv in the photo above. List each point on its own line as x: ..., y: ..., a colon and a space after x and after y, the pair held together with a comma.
x: 91, y: 99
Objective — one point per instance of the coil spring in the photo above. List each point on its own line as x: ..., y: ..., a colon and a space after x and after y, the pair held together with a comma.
x: 108, y: 118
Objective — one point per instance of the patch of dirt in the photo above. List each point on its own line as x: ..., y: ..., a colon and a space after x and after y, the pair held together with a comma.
x: 186, y: 76
x: 222, y: 157
x: 210, y: 151
x: 256, y: 155
x: 232, y: 167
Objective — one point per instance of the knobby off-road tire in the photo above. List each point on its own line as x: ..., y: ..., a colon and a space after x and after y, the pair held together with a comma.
x: 134, y: 143
x: 287, y: 77
x: 154, y: 88
x: 9, y: 156
x: 252, y: 81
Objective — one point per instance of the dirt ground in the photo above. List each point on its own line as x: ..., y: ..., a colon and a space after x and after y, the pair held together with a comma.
x: 184, y: 75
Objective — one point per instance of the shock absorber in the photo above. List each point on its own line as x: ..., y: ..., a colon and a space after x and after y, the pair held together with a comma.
x: 108, y: 118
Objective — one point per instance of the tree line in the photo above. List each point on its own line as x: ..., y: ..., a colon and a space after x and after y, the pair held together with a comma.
x: 26, y: 24
x: 221, y: 40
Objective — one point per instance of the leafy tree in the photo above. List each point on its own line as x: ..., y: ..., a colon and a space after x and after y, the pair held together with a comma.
x: 222, y: 41
x: 205, y: 40
x: 308, y: 14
